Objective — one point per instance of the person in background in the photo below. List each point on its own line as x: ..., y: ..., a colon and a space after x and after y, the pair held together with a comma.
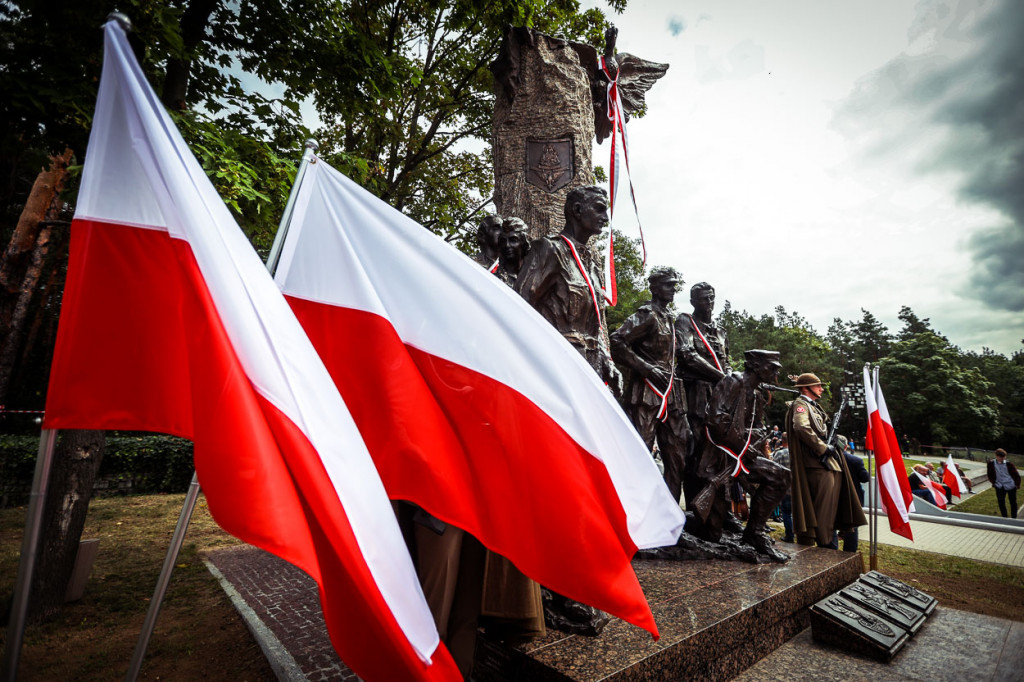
x: 860, y: 476
x: 781, y: 457
x: 1004, y: 477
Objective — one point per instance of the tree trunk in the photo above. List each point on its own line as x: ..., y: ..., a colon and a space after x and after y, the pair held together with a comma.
x: 22, y: 264
x: 193, y: 30
x: 76, y: 460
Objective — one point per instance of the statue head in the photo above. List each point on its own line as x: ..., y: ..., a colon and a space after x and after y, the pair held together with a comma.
x: 664, y: 281
x: 515, y: 244
x: 764, y: 364
x: 586, y: 212
x: 488, y: 234
x: 702, y: 296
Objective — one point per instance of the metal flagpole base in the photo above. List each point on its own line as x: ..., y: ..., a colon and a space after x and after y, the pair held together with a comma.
x: 165, y: 578
x: 29, y: 549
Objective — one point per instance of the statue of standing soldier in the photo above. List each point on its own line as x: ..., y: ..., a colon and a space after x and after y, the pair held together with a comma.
x: 654, y: 397
x: 561, y: 281
x: 734, y: 441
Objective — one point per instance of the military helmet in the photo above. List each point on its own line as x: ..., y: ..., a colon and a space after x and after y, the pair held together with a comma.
x: 806, y: 379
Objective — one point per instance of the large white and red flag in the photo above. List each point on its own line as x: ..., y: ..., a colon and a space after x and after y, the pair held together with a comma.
x: 951, y: 477
x: 893, y: 485
x: 472, y: 405
x: 171, y: 323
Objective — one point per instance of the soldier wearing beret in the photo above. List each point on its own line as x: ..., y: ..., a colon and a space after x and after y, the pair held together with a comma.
x: 654, y: 398
x: 823, y: 494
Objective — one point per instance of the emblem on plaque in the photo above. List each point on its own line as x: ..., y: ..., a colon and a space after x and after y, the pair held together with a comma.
x: 549, y: 163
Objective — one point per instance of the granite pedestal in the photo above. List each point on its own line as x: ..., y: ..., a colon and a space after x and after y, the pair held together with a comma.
x: 716, y: 619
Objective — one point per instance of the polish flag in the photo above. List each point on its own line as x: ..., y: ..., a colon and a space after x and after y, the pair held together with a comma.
x: 891, y: 474
x: 171, y: 323
x: 471, y: 404
x: 937, y: 491
x: 951, y: 477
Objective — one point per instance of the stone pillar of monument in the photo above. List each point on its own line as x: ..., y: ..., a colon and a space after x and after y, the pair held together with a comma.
x: 543, y: 129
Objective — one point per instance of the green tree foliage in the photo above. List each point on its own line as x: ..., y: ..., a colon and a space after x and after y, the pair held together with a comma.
x: 1006, y: 376
x: 630, y: 279
x: 800, y: 348
x: 403, y: 88
x: 936, y: 399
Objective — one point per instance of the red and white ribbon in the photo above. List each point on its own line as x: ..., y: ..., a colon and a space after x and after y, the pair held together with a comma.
x: 663, y: 410
x: 706, y: 344
x: 586, y: 278
x: 740, y: 466
x: 494, y: 268
x: 617, y: 116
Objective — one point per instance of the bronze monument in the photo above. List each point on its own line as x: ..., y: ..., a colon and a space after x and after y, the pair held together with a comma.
x: 654, y: 397
x: 735, y: 437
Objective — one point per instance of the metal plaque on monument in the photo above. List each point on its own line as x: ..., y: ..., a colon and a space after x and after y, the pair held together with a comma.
x: 543, y: 128
x: 886, y: 606
x: 847, y: 625
x: 905, y: 593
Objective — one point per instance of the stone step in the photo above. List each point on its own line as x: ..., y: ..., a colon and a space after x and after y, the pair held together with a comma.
x: 716, y: 618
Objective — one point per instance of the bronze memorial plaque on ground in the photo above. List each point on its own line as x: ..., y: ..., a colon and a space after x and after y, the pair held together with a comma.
x: 851, y: 627
x: 881, y: 603
x: 900, y: 590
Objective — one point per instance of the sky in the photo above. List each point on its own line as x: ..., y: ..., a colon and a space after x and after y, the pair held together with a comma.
x: 829, y: 156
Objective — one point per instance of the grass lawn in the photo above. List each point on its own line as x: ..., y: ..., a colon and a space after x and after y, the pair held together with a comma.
x: 980, y: 503
x: 199, y: 636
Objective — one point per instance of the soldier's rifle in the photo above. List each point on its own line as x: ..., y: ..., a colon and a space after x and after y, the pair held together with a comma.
x: 770, y: 387
x: 701, y: 503
x: 830, y: 450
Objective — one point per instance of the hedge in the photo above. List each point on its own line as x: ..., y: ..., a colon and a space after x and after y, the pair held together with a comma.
x: 136, y: 463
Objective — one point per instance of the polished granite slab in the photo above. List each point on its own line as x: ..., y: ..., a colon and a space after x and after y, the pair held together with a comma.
x: 716, y: 618
x: 951, y: 646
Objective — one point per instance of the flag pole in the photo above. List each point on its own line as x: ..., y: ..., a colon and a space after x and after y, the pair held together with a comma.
x: 29, y: 550
x: 188, y: 508
x: 286, y: 218
x: 164, y: 580
x: 873, y: 554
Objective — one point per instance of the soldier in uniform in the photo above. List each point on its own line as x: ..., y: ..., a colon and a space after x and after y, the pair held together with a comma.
x: 823, y: 494
x: 702, y: 354
x: 560, y: 280
x: 654, y: 397
x: 514, y: 244
x: 488, y: 236
x: 736, y: 436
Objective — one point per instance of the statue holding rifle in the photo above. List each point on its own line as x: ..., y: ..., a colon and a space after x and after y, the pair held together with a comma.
x: 735, y: 438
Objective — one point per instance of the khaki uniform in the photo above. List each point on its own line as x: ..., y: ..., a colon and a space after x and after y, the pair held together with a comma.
x: 824, y: 498
x: 646, y: 338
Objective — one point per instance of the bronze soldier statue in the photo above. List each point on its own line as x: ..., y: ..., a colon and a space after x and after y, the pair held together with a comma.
x: 488, y: 236
x: 654, y: 397
x: 702, y: 354
x: 561, y: 281
x: 513, y: 245
x: 733, y: 446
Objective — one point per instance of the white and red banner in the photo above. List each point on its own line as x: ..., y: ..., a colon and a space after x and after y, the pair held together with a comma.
x: 171, y: 323
x: 891, y: 474
x: 619, y: 151
x: 951, y: 477
x: 471, y: 404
